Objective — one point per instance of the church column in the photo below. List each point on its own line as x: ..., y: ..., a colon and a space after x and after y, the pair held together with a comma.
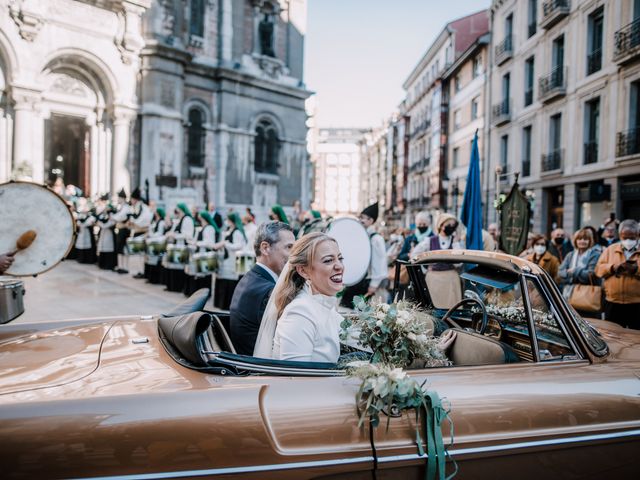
x: 120, y: 175
x: 25, y: 119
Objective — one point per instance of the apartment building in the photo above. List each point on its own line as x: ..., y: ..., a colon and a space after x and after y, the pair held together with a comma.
x: 563, y: 109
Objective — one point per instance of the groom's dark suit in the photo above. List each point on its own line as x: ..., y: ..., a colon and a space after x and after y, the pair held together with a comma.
x: 247, y: 306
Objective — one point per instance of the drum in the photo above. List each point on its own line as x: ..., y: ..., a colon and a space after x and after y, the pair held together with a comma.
x: 177, y: 254
x: 11, y: 304
x: 28, y: 206
x: 155, y: 246
x: 355, y: 247
x: 244, y: 263
x: 206, y: 262
x: 135, y: 245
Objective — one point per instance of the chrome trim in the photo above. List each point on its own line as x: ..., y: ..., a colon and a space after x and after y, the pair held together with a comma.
x: 518, y: 445
x: 234, y: 470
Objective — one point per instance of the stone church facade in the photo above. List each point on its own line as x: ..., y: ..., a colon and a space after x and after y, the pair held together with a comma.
x: 196, y: 100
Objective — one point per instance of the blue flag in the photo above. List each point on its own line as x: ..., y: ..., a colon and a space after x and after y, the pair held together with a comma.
x: 471, y: 214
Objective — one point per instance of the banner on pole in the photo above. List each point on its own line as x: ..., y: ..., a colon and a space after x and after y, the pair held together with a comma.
x: 514, y: 222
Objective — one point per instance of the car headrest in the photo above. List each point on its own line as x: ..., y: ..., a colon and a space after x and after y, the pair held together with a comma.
x: 470, y: 348
x: 184, y: 334
x: 194, y: 303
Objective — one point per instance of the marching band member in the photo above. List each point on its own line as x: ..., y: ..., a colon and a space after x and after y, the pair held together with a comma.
x: 107, y: 238
x: 183, y: 232
x: 140, y: 219
x: 121, y: 217
x: 227, y: 277
x: 160, y: 225
x: 206, y: 240
x: 85, y: 242
x: 277, y: 213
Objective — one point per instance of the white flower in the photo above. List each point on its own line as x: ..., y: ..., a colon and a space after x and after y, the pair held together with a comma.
x: 379, y: 323
x: 384, y: 307
x: 404, y: 315
x: 401, y: 321
x: 397, y: 374
x: 421, y: 338
x: 411, y: 336
x: 380, y: 315
x: 381, y: 388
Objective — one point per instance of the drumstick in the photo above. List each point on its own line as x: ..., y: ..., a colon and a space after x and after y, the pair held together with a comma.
x: 24, y: 240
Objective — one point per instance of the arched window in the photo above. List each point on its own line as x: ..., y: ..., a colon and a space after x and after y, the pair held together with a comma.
x: 195, y: 138
x: 196, y: 20
x: 267, y: 147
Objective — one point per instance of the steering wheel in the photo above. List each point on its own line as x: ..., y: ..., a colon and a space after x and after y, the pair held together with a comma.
x: 464, y: 301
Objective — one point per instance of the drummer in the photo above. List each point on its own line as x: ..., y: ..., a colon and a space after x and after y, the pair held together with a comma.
x: 206, y: 240
x: 182, y: 232
x: 141, y: 217
x: 227, y: 278
x: 106, y: 247
x: 121, y: 217
x: 250, y: 228
x: 85, y: 241
x: 277, y: 213
x: 6, y: 260
x: 160, y: 224
x: 311, y: 218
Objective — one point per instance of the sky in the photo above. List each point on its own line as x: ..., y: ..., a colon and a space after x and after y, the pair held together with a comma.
x: 358, y: 53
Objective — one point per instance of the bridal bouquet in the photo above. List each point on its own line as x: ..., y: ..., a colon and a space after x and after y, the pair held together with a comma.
x: 397, y: 333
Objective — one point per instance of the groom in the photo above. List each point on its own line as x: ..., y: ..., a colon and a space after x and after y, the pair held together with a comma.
x: 272, y: 245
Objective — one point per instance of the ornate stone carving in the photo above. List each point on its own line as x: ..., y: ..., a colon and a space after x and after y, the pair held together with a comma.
x: 64, y: 83
x: 129, y: 38
x: 29, y: 22
x: 271, y: 66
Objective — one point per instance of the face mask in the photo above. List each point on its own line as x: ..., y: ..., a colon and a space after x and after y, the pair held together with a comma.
x: 559, y: 240
x: 423, y: 229
x: 449, y: 229
x: 628, y: 244
x: 539, y: 249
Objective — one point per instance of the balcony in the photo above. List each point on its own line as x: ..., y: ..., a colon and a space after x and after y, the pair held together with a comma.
x: 594, y: 61
x: 421, y: 128
x: 501, y: 112
x: 590, y: 152
x: 552, y: 161
x: 627, y: 43
x: 504, y: 50
x: 553, y: 11
x: 553, y: 85
x: 628, y: 143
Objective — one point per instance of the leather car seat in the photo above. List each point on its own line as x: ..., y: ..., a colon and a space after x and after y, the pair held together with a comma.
x: 216, y: 338
x: 471, y: 348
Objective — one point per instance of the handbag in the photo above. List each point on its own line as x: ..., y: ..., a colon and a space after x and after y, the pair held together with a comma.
x: 587, y: 298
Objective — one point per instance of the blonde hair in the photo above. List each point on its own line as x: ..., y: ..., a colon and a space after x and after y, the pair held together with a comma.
x: 583, y: 233
x: 302, y: 254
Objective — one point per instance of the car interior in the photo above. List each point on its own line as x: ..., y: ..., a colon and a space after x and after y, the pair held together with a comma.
x: 500, y: 316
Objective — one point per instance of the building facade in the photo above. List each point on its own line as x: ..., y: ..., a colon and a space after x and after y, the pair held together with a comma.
x: 464, y: 83
x: 336, y: 160
x: 563, y: 97
x: 199, y: 100
x: 68, y: 90
x: 426, y: 105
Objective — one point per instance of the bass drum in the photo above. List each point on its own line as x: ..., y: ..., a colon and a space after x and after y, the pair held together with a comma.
x: 355, y: 247
x: 28, y: 206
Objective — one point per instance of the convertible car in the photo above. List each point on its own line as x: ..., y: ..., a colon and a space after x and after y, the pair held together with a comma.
x: 534, y: 391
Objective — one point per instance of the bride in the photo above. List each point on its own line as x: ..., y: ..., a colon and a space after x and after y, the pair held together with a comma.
x: 301, y: 322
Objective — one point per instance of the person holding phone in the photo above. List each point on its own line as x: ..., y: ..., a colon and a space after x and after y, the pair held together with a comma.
x: 619, y: 266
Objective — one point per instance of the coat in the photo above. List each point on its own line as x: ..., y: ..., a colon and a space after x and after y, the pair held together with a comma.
x: 619, y: 288
x: 247, y: 307
x: 548, y: 263
x: 581, y: 274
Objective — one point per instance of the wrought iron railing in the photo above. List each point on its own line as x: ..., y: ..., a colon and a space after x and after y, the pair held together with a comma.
x: 504, y: 50
x: 628, y: 142
x: 552, y: 161
x: 627, y: 39
x: 594, y: 61
x: 501, y: 112
x: 552, y: 82
x: 590, y: 152
x: 554, y: 10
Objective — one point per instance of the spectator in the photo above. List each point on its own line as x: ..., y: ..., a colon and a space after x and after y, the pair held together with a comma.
x: 608, y: 236
x: 542, y: 257
x: 559, y: 246
x: 596, y: 239
x: 618, y: 266
x: 422, y: 231
x: 494, y: 231
x: 578, y: 267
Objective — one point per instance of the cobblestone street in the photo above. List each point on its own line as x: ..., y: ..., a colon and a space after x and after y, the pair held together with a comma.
x: 72, y: 290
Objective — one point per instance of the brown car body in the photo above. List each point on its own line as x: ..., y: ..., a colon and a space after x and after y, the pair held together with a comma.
x: 105, y: 399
